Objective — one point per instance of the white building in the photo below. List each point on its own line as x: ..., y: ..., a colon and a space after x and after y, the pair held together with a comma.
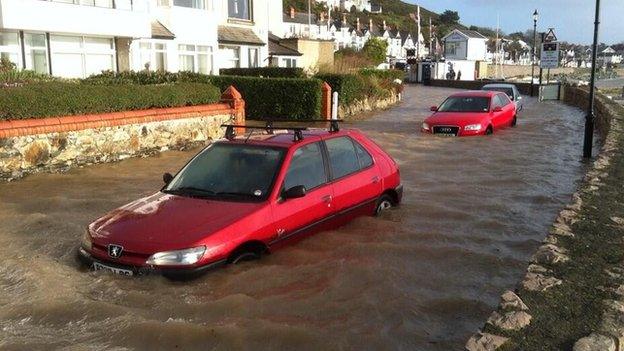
x: 77, y: 38
x: 610, y: 56
x: 462, y: 50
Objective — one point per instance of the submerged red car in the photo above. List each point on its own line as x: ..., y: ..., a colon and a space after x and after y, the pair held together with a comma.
x: 240, y: 198
x: 471, y: 113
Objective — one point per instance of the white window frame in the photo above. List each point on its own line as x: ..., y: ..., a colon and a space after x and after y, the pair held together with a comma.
x: 249, y: 56
x: 29, y: 49
x: 238, y: 56
x: 152, y: 52
x: 13, y: 49
x: 84, y: 52
x: 249, y: 8
x: 196, y: 53
x: 197, y: 4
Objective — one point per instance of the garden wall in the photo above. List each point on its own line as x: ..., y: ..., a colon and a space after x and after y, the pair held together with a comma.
x: 55, y: 144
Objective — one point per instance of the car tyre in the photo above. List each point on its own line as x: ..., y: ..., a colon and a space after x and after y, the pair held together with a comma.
x: 384, y: 203
x: 489, y: 130
x: 514, y: 122
x: 244, y: 256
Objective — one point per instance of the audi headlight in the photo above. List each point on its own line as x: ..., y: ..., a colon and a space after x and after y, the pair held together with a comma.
x: 473, y: 127
x: 85, y: 242
x: 425, y: 126
x: 177, y: 257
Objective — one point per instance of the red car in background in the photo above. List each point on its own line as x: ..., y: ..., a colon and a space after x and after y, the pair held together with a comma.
x: 471, y: 113
x: 243, y: 197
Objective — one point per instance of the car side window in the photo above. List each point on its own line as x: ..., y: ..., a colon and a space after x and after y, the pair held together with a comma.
x: 306, y: 168
x: 504, y: 99
x: 342, y: 157
x: 366, y: 160
x: 495, y: 102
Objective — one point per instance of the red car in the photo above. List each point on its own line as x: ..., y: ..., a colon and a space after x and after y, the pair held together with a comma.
x: 471, y: 113
x: 240, y: 198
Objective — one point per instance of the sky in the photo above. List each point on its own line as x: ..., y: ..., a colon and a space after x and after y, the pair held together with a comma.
x: 573, y: 20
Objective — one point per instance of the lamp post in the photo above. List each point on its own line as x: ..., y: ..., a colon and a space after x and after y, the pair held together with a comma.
x: 589, y: 118
x: 535, y: 18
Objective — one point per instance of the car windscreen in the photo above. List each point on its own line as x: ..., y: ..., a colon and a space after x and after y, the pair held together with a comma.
x: 508, y: 91
x: 229, y: 171
x: 465, y: 104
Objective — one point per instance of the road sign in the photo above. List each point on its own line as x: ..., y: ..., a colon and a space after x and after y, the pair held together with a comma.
x: 550, y: 36
x: 549, y: 57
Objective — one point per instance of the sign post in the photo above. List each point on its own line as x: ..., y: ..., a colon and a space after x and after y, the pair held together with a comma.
x: 549, y: 56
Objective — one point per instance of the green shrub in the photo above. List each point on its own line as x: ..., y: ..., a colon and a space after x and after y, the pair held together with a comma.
x: 20, y: 77
x: 63, y: 98
x: 283, y: 98
x: 350, y: 87
x: 390, y: 74
x: 145, y: 77
x: 268, y: 72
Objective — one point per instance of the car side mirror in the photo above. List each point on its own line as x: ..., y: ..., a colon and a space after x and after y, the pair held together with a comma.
x: 294, y: 192
x: 497, y: 109
x: 519, y: 97
x: 434, y: 108
x: 167, y: 178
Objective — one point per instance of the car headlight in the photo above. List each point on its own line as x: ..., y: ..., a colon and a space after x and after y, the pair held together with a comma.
x: 473, y: 127
x: 177, y: 257
x: 86, y: 242
x: 425, y: 126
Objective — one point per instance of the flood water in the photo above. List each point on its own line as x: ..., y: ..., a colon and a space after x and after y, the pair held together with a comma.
x: 423, y: 277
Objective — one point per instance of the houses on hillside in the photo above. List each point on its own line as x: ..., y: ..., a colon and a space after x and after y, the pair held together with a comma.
x: 348, y: 5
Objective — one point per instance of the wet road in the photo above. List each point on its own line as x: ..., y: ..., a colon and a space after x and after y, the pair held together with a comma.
x: 422, y: 277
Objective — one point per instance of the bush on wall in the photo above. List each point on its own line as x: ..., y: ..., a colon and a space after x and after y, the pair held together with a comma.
x: 63, y: 98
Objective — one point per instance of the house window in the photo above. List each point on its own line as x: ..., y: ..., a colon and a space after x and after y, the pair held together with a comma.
x: 289, y: 62
x: 195, y: 58
x: 79, y: 57
x: 231, y: 56
x: 153, y: 56
x: 195, y: 4
x: 253, y: 57
x: 36, y: 52
x: 451, y: 48
x: 9, y: 47
x: 239, y: 9
x: 98, y: 3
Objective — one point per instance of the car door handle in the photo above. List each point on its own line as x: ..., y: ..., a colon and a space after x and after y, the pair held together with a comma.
x: 327, y: 198
x: 375, y: 179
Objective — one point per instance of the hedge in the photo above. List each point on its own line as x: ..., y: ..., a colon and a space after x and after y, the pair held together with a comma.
x: 283, y: 98
x: 267, y: 72
x: 350, y: 87
x: 287, y: 98
x: 63, y: 98
x: 390, y: 74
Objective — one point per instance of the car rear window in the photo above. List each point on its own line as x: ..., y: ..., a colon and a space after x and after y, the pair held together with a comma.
x: 342, y: 157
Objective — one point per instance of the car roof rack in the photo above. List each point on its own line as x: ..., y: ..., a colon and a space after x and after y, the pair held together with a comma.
x: 333, y: 123
x: 230, y: 131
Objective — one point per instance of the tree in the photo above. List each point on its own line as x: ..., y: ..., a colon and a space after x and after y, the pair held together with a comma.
x: 375, y: 50
x: 449, y: 17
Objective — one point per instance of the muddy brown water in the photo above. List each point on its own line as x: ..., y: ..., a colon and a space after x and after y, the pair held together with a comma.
x: 422, y: 277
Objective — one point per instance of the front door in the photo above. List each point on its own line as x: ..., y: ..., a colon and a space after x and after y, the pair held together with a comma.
x: 295, y: 218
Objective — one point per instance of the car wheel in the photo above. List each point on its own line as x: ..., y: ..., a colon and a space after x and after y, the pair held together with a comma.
x: 245, y: 256
x: 514, y: 121
x: 384, y: 203
x: 489, y: 130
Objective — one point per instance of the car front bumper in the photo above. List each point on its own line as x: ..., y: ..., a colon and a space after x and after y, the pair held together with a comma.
x: 174, y: 273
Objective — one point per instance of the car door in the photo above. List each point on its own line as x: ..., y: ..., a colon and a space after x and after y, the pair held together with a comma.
x: 355, y: 178
x: 298, y: 217
x: 509, y: 109
x: 498, y: 117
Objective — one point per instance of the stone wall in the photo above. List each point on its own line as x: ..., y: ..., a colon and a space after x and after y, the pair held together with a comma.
x: 56, y: 144
x: 520, y: 71
x: 367, y: 105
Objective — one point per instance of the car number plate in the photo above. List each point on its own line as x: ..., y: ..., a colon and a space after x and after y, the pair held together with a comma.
x: 446, y: 134
x: 101, y: 267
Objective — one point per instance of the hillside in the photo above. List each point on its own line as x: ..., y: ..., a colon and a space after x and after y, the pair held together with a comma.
x: 396, y: 13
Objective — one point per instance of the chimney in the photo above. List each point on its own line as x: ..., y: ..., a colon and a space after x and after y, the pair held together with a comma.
x: 292, y: 12
x: 322, y: 16
x: 344, y: 18
x: 384, y: 25
x: 370, y: 24
x: 357, y: 24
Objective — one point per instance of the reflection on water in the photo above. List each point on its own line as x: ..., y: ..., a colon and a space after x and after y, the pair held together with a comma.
x: 423, y: 277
